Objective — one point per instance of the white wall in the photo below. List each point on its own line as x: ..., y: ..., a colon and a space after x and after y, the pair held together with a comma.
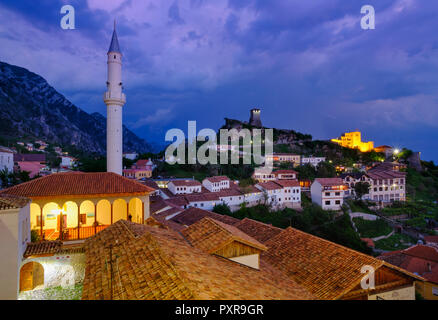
x: 7, y: 161
x: 13, y: 242
x: 316, y: 192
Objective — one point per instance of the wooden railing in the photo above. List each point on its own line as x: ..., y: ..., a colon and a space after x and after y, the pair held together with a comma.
x: 72, y: 233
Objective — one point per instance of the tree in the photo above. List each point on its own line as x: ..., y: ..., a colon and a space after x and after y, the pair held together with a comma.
x: 222, y: 209
x: 361, y: 189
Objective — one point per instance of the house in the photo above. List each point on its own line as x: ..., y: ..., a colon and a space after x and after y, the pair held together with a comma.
x: 6, y: 159
x: 232, y: 197
x: 140, y: 170
x: 34, y: 168
x: 285, y: 174
x: 291, y: 193
x: 265, y: 175
x: 29, y: 146
x: 178, y: 187
x: 421, y: 260
x: 387, y: 186
x: 76, y: 205
x: 353, y: 140
x: 203, y: 200
x: 281, y: 193
x: 272, y: 192
x: 253, y: 195
x: 351, y: 179
x: 68, y: 162
x: 314, y: 161
x: 217, y: 183
x: 283, y: 157
x: 14, y: 236
x: 328, y: 193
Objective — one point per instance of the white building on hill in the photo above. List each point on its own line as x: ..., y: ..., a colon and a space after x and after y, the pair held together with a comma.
x: 328, y: 193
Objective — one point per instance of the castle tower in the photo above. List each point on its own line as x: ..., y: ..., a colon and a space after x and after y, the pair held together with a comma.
x: 254, y: 119
x: 114, y: 99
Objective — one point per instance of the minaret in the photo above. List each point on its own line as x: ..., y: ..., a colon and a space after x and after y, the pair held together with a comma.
x: 114, y: 99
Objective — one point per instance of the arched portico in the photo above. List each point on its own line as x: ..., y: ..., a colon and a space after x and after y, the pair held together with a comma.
x: 78, y: 219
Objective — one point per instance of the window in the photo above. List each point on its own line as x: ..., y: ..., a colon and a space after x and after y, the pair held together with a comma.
x: 327, y: 194
x: 337, y: 193
x: 327, y: 203
x: 338, y: 202
x: 435, y: 291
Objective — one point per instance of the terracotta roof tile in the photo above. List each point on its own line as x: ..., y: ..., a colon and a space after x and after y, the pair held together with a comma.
x: 43, y: 248
x: 270, y: 185
x: 326, y: 269
x: 211, y: 235
x: 154, y: 263
x: 258, y: 230
x: 12, y: 202
x: 184, y: 183
x: 77, y: 184
x: 288, y: 183
x: 218, y: 179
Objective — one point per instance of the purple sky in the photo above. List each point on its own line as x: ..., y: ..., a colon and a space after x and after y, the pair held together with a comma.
x: 307, y: 64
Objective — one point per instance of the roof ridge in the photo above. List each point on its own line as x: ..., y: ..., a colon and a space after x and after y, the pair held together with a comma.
x: 236, y: 237
x: 259, y: 222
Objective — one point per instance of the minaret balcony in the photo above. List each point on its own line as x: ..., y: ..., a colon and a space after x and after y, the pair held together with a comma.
x: 113, y: 98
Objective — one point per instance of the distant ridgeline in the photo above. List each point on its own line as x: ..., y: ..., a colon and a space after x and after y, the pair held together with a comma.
x: 30, y: 107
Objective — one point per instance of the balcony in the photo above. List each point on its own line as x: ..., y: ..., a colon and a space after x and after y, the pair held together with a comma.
x: 116, y: 98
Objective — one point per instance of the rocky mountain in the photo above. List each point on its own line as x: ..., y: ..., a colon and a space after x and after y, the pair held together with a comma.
x: 29, y: 106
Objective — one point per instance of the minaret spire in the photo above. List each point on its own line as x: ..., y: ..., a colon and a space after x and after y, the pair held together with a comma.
x: 115, y: 100
x: 114, y: 46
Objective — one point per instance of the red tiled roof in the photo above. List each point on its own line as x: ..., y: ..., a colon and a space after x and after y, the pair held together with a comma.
x: 270, y: 185
x: 201, y: 197
x: 418, y: 259
x: 78, y: 184
x: 12, y: 202
x: 288, y: 183
x: 326, y: 269
x: 185, y: 183
x: 43, y: 248
x: 231, y: 192
x: 217, y: 179
x: 211, y: 235
x: 432, y: 239
x: 258, y: 230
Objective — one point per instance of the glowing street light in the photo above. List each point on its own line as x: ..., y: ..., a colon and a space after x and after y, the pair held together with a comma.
x: 396, y: 151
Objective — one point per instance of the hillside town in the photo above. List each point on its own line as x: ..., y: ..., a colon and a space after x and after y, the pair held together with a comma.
x: 335, y: 219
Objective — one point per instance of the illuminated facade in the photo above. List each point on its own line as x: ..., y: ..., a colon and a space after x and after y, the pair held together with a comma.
x: 353, y: 140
